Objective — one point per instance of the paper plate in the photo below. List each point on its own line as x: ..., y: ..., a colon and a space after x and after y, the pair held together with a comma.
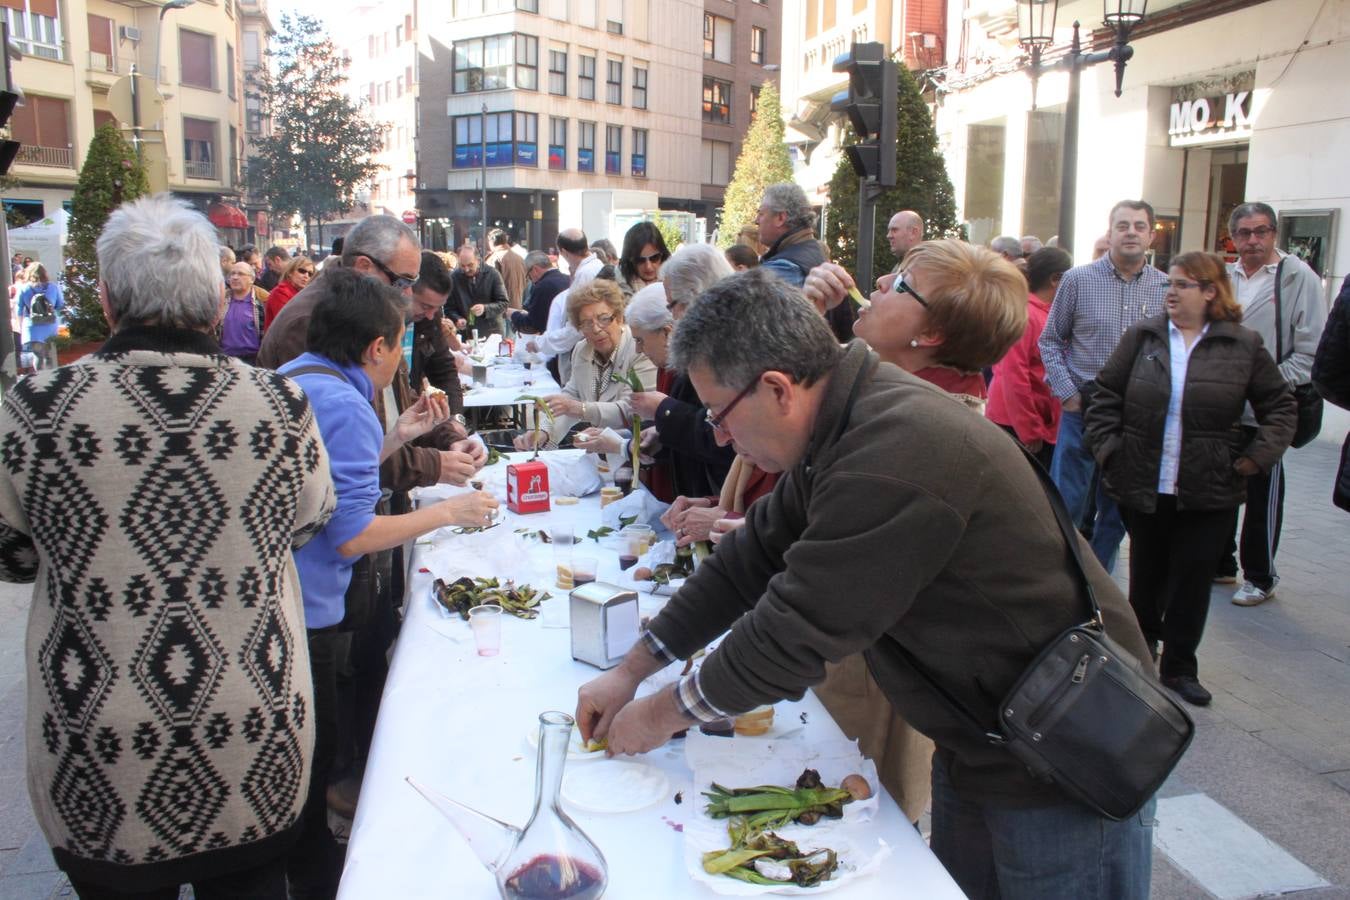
x: 615, y: 787
x: 574, y: 747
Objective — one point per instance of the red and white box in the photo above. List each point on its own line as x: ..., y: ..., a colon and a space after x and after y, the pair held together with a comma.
x: 527, y: 487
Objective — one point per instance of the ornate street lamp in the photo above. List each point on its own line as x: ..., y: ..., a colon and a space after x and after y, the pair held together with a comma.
x: 1035, y: 32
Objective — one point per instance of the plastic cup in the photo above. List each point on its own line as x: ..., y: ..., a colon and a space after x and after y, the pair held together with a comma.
x: 584, y: 569
x: 638, y: 538
x: 486, y: 623
x: 563, y: 536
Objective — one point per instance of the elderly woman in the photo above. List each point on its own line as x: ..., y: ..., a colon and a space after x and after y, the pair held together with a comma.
x: 1163, y: 426
x: 598, y: 391
x: 294, y: 279
x: 242, y: 327
x: 644, y: 251
x: 154, y: 492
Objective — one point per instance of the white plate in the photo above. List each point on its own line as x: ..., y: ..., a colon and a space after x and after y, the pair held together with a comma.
x: 575, y: 751
x: 615, y: 787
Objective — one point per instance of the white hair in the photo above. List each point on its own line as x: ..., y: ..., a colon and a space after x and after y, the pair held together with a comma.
x: 692, y: 269
x: 647, y: 310
x: 377, y: 237
x: 160, y: 261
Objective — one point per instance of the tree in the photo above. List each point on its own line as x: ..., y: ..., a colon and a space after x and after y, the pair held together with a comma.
x: 669, y: 233
x: 921, y: 185
x: 322, y: 145
x: 763, y: 161
x: 111, y: 176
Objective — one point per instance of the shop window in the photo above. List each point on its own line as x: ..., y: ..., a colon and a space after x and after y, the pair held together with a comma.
x: 984, y: 180
x: 1045, y: 151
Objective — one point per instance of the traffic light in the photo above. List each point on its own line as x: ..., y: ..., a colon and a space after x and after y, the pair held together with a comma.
x: 869, y: 103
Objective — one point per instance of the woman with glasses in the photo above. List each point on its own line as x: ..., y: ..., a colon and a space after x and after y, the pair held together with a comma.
x: 294, y: 279
x: 598, y: 391
x: 644, y: 251
x: 1164, y: 427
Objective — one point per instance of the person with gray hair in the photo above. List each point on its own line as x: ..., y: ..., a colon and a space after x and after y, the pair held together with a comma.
x: 186, y: 479
x: 786, y: 224
x: 691, y: 270
x: 1008, y: 247
x: 892, y: 533
x: 1030, y: 244
x: 227, y: 259
x: 546, y: 283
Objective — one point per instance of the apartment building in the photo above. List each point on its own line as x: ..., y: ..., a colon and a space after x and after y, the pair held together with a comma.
x: 547, y: 95
x: 255, y: 34
x: 741, y: 50
x: 815, y: 33
x: 72, y: 54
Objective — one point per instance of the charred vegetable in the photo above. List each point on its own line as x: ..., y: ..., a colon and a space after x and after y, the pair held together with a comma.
x: 772, y: 806
x: 463, y: 594
x: 762, y: 857
x: 494, y: 456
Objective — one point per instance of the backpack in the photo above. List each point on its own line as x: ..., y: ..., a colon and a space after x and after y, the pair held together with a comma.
x: 41, y: 311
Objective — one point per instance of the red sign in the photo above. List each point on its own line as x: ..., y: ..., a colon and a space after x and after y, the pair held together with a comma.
x: 410, y: 217
x: 527, y: 487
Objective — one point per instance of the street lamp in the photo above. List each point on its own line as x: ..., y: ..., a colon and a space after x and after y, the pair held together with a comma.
x: 159, y: 28
x: 1035, y: 31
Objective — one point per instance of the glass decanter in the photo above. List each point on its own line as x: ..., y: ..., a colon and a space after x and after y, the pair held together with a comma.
x: 550, y: 858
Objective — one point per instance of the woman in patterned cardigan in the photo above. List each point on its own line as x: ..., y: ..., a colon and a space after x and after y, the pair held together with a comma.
x: 154, y: 492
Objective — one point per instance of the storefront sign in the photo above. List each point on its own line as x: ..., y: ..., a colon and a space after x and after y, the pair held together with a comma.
x: 1211, y: 120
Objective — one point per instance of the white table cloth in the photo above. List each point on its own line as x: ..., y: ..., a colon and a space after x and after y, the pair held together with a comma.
x: 506, y: 382
x: 460, y: 724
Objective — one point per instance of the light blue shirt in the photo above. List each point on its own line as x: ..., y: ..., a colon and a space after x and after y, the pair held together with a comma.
x: 1171, y: 449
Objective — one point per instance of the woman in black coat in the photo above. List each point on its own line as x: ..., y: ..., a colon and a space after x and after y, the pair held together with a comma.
x: 1331, y: 377
x: 1164, y: 428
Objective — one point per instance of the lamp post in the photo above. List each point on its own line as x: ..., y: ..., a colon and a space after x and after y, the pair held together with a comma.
x: 482, y: 236
x: 1035, y: 32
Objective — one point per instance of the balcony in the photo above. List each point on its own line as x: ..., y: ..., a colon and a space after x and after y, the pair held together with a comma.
x: 195, y: 168
x: 39, y: 49
x: 48, y: 157
x: 102, y: 63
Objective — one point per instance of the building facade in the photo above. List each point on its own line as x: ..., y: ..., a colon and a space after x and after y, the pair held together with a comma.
x: 74, y: 52
x: 1223, y: 101
x: 538, y: 96
x: 255, y: 34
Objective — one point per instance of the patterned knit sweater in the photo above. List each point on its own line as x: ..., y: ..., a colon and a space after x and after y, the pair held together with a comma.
x: 153, y: 493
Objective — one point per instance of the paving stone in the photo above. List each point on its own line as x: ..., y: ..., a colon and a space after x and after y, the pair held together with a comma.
x: 30, y: 887
x: 33, y: 858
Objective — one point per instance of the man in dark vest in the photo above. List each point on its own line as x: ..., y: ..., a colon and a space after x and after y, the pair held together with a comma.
x: 787, y: 225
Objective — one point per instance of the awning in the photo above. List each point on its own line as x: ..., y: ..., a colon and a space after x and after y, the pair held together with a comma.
x: 223, y: 215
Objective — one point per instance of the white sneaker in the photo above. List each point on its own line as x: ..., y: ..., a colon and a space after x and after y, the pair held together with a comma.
x: 1251, y: 595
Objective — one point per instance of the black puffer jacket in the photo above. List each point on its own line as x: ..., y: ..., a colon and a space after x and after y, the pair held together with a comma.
x: 1331, y: 367
x: 1228, y: 367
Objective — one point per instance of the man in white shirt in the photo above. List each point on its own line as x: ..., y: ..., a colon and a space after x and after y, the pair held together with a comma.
x: 1292, y: 341
x: 561, y: 337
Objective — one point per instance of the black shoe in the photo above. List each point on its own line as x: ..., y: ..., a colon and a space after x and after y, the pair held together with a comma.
x: 1188, y: 688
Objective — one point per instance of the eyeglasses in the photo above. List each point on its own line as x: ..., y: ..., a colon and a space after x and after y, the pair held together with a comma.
x: 1246, y: 234
x: 900, y: 286
x: 1181, y: 284
x: 599, y: 323
x: 304, y: 271
x: 654, y: 258
x: 717, y: 420
x: 402, y: 282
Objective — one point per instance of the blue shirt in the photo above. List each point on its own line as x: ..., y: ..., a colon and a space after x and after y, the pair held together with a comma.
x: 353, y: 436
x: 37, y: 332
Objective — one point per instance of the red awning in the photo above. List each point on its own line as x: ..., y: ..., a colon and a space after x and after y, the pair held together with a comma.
x: 222, y: 215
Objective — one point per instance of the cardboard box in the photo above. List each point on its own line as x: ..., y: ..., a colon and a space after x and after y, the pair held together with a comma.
x: 527, y: 487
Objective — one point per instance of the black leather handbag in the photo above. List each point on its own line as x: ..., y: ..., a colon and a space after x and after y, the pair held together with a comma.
x: 1085, y: 714
x: 1309, y: 401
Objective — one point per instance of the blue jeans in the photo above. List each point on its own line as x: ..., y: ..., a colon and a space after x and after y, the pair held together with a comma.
x: 1065, y: 850
x: 1074, y: 472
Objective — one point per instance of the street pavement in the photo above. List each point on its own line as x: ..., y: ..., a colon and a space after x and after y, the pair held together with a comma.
x: 1259, y: 806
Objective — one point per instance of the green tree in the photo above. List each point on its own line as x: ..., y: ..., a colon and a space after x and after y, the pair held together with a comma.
x: 763, y: 161
x: 322, y: 145
x: 111, y: 176
x: 921, y: 185
x: 669, y: 233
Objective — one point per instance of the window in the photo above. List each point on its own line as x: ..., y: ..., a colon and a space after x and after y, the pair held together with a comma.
x: 252, y: 51
x: 196, y: 59
x: 482, y: 64
x: 613, y: 27
x: 398, y: 35
x: 586, y: 148
x: 531, y: 6
x: 233, y: 175
x: 639, y: 166
x: 229, y: 71
x: 984, y: 179
x: 639, y: 88
x: 398, y: 86
x: 527, y: 139
x: 468, y: 148
x: 199, y: 148
x: 527, y: 62
x: 613, y: 149
x: 35, y: 28
x: 586, y: 78
x: 1040, y: 185
x: 557, y: 144
x: 716, y: 162
x: 716, y: 38
x: 42, y: 126
x: 370, y: 47
x: 465, y: 8
x: 408, y: 78
x: 101, y: 43
x: 614, y: 81
x: 754, y: 98
x: 757, y: 46
x: 557, y: 72
x: 716, y: 101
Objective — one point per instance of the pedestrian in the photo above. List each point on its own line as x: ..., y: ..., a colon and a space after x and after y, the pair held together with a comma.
x: 1008, y: 247
x: 40, y: 303
x: 1331, y: 375
x: 1163, y: 427
x: 558, y: 340
x: 546, y: 283
x: 478, y: 298
x: 1281, y: 299
x: 510, y: 266
x: 901, y: 515
x: 274, y: 264
x: 170, y: 703
x: 294, y: 279
x: 741, y: 257
x: 904, y: 232
x: 1096, y: 304
x: 241, y: 327
x: 644, y: 252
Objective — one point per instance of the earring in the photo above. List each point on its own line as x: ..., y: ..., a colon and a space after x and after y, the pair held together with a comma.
x: 914, y: 343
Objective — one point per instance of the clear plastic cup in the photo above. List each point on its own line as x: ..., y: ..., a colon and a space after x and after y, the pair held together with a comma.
x: 563, y: 535
x: 584, y: 569
x: 638, y: 538
x: 486, y: 623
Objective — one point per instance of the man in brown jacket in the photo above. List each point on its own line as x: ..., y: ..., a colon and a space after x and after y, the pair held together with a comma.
x: 903, y: 520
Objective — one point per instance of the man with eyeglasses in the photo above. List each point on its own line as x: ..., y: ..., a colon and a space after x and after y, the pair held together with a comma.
x: 1261, y: 269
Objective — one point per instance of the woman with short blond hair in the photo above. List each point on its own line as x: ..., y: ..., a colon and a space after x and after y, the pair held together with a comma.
x: 294, y: 279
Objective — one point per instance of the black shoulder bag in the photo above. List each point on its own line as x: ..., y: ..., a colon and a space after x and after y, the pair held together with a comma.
x: 1309, y: 401
x: 1085, y: 715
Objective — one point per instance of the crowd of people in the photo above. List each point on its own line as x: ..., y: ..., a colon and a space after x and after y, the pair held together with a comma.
x: 215, y: 623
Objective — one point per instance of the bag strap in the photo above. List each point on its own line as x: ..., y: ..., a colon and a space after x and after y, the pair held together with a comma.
x: 316, y: 370
x: 1279, y: 319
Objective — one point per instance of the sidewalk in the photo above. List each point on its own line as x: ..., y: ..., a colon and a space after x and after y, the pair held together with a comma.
x: 1273, y: 751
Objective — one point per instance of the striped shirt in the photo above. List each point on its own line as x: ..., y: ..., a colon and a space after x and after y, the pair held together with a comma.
x: 1093, y: 307
x: 689, y: 697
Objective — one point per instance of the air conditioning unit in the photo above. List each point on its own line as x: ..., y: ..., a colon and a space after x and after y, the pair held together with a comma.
x: 129, y: 33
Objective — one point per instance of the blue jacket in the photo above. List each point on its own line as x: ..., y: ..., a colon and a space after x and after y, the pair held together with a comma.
x: 353, y: 436
x: 42, y: 333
